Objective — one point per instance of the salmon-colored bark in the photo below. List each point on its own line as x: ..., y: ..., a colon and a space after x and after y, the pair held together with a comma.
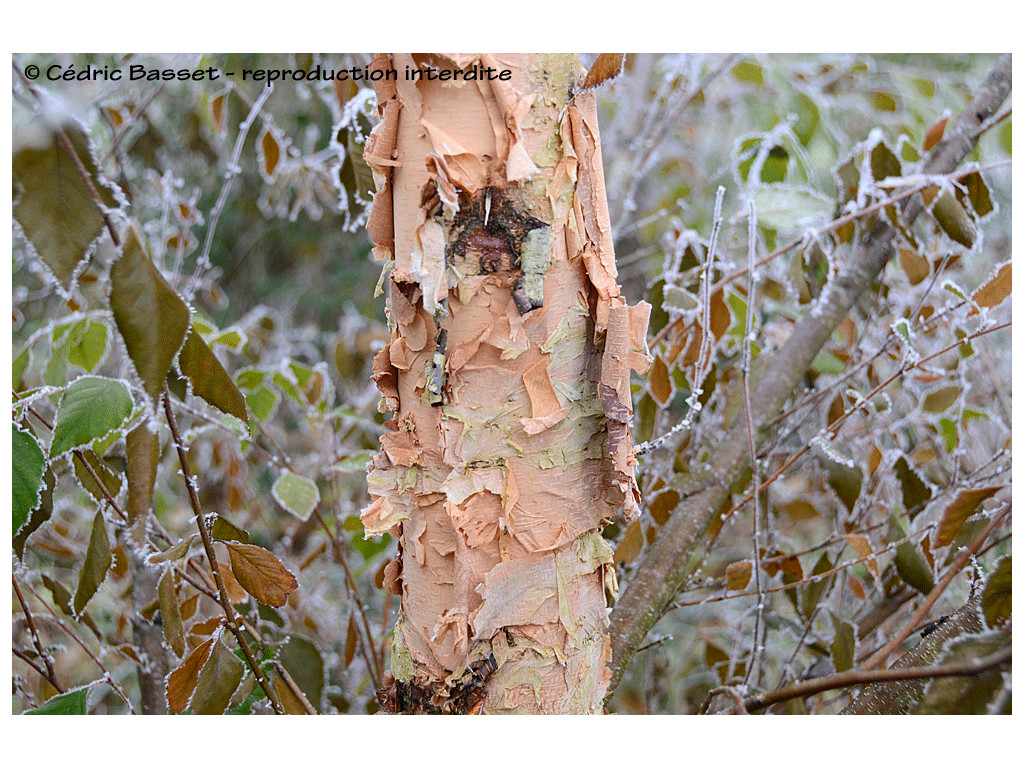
x: 508, y: 377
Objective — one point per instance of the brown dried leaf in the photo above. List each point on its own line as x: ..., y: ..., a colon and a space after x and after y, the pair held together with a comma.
x: 350, y: 640
x: 291, y: 703
x: 236, y: 593
x: 934, y: 134
x: 176, y: 552
x: 995, y: 290
x: 261, y: 574
x: 738, y: 574
x: 631, y: 544
x: 961, y: 508
x: 217, y: 110
x: 659, y: 382
x: 916, y: 266
x: 182, y: 681
x: 862, y: 547
x: 606, y: 66
x: 857, y: 588
x: 269, y: 153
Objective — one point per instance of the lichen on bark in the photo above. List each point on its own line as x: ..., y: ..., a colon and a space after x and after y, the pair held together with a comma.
x: 508, y: 377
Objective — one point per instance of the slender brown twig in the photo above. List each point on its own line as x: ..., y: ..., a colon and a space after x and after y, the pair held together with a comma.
x: 50, y: 674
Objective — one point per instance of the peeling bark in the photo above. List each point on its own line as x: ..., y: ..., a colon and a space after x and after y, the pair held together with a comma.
x: 508, y: 377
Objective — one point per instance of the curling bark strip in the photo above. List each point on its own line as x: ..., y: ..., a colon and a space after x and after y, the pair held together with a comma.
x: 507, y: 375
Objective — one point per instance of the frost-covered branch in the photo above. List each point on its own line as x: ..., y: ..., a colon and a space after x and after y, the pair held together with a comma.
x: 859, y: 677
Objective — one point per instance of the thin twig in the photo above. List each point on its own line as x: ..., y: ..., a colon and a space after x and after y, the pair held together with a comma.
x: 50, y: 673
x: 39, y: 670
x: 232, y: 171
x: 758, y: 646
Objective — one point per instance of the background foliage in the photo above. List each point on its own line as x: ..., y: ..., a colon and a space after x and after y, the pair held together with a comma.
x: 241, y: 218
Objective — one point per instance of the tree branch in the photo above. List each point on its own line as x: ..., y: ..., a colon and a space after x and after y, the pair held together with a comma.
x: 678, y: 548
x: 860, y: 677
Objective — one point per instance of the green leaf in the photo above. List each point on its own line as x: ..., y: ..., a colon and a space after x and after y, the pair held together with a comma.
x: 92, y: 407
x: 232, y: 338
x: 151, y: 317
x: 288, y: 387
x: 749, y: 72
x: 224, y: 530
x: 261, y: 402
x: 304, y: 663
x: 19, y: 366
x: 175, y: 552
x: 209, y: 379
x: 297, y: 494
x: 902, y: 328
x: 27, y: 466
x: 915, y: 490
x: 87, y: 344
x: 70, y: 703
x: 355, y: 463
x: 812, y: 592
x: 217, y: 682
x: 884, y: 164
x: 785, y: 207
x: 250, y: 378
x: 910, y: 563
x: 997, y: 599
x: 170, y: 614
x: 97, y: 564
x: 40, y: 514
x: 55, y: 207
x: 948, y: 432
x: 843, y: 645
x: 939, y: 400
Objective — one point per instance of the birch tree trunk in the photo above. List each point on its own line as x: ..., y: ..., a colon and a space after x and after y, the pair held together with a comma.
x: 507, y: 375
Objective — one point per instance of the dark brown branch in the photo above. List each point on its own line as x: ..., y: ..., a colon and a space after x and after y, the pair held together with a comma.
x: 678, y: 548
